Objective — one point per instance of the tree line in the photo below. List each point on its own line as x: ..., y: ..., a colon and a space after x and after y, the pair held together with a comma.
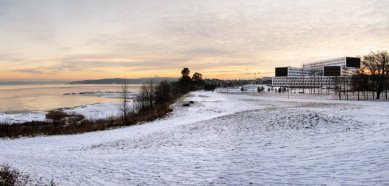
x: 374, y: 76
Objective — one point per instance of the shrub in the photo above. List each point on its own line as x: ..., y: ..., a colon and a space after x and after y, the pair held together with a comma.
x: 59, y: 116
x: 11, y: 177
x: 56, y: 115
x: 209, y: 87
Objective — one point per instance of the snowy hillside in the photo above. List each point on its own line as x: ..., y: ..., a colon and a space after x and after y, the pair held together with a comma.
x: 222, y: 139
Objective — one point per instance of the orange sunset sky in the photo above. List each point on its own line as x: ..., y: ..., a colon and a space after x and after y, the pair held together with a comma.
x: 81, y: 39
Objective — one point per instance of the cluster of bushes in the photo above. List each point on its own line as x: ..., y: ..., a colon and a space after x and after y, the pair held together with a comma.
x: 11, y: 177
x: 282, y: 90
x: 36, y: 128
x: 157, y: 99
x: 260, y: 89
x: 152, y: 102
x: 187, y: 83
x: 210, y: 87
x: 59, y: 116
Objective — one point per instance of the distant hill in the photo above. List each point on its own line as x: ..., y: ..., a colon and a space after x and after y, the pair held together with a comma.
x: 32, y: 82
x: 130, y: 81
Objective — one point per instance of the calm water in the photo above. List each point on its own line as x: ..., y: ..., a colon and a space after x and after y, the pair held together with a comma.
x: 27, y: 98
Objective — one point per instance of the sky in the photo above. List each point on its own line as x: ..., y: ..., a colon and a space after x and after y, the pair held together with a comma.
x: 227, y: 39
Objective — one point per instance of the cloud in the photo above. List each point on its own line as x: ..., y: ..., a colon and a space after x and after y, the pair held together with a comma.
x: 27, y: 20
x: 250, y: 28
x: 3, y: 8
x: 10, y: 57
x: 216, y: 36
x: 31, y: 71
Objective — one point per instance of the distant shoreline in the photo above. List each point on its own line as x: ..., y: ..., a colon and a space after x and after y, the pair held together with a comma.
x: 97, y: 81
x: 33, y: 82
x: 128, y: 81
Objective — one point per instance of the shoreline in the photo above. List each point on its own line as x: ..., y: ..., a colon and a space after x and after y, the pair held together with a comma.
x: 90, y: 111
x: 97, y: 110
x: 102, y: 110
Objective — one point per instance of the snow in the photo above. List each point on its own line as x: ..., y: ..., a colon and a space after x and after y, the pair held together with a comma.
x: 229, y: 139
x: 22, y: 117
x: 92, y: 111
x: 98, y: 111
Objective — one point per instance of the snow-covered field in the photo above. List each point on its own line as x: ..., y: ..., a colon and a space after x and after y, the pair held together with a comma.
x: 222, y: 139
x: 22, y: 117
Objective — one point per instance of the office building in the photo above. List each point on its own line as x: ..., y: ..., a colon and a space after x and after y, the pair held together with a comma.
x: 316, y: 74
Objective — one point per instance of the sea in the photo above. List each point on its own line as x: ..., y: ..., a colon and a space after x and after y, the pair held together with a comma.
x: 45, y: 97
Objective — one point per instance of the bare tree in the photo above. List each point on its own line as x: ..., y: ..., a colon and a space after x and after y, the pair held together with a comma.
x: 337, y: 86
x: 150, y: 92
x: 377, y: 66
x: 355, y: 82
x: 124, y: 99
x: 146, y: 97
x: 360, y: 83
x: 163, y: 93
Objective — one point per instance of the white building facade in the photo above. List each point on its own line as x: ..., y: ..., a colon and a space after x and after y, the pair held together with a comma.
x: 317, y: 74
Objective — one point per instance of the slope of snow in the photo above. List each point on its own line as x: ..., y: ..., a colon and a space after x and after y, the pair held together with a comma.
x: 98, y: 111
x: 92, y: 111
x: 222, y: 139
x: 22, y: 117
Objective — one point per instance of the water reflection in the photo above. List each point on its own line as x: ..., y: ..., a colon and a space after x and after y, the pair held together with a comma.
x: 27, y: 98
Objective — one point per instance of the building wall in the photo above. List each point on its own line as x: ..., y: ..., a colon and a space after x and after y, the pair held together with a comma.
x: 307, y: 81
x: 319, y: 65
